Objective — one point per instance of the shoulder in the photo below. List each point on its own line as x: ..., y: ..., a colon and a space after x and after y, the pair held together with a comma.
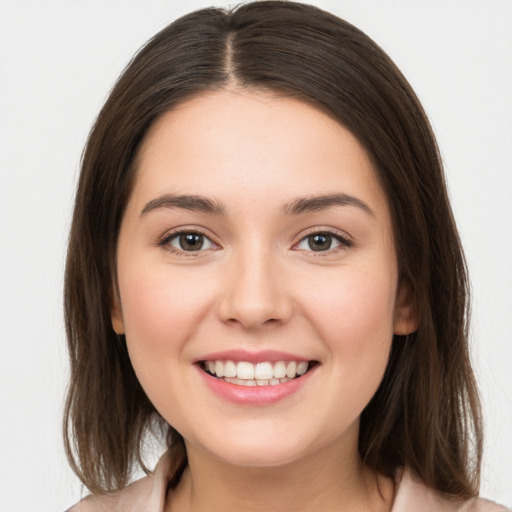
x: 412, y: 495
x: 483, y: 505
x: 144, y: 495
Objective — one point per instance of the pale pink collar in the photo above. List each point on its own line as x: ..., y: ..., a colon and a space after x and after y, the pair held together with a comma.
x: 148, y: 495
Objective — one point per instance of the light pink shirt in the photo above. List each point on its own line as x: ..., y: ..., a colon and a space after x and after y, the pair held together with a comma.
x: 148, y: 495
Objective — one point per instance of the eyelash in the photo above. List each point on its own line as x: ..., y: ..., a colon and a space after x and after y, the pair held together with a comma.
x: 345, y: 242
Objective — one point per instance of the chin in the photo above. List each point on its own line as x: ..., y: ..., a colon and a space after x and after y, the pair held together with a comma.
x: 257, y: 449
x: 260, y: 457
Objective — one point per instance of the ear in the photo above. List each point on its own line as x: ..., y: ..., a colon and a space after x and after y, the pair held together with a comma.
x: 116, y: 312
x: 406, y: 318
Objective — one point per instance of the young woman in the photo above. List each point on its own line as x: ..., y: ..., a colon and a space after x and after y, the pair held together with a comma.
x: 263, y: 266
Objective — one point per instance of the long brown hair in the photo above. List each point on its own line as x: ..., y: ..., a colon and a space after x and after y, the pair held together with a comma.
x: 426, y: 412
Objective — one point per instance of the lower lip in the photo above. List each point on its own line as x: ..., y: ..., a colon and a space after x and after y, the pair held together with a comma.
x: 254, y: 395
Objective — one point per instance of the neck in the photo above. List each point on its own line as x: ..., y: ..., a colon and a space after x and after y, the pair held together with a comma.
x: 329, y: 479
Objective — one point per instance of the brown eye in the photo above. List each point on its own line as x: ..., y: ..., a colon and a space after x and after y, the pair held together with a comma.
x: 320, y: 241
x: 189, y: 241
x: 323, y: 241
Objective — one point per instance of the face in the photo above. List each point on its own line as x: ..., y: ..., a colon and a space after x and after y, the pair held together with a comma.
x: 257, y: 278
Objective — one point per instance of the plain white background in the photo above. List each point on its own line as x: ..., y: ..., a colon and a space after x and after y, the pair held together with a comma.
x: 58, y: 60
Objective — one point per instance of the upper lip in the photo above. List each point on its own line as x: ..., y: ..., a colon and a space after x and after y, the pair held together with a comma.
x: 261, y: 356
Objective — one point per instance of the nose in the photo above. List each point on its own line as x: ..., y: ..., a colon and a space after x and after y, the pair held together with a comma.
x: 254, y: 294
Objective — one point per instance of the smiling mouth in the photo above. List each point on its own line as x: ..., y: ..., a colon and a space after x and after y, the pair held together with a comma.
x: 244, y: 373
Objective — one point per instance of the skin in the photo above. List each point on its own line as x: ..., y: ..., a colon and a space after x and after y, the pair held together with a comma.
x: 258, y: 285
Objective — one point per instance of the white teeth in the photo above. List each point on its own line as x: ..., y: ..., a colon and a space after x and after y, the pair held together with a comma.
x: 261, y: 374
x: 302, y: 367
x: 291, y: 370
x: 244, y: 382
x: 230, y: 369
x: 219, y: 368
x: 264, y: 371
x: 279, y: 370
x: 241, y: 382
x: 244, y: 370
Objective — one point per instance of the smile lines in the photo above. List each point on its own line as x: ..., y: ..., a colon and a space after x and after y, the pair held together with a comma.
x: 245, y: 373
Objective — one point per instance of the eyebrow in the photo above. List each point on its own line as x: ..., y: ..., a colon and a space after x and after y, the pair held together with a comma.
x: 185, y: 202
x: 323, y: 202
x: 298, y: 206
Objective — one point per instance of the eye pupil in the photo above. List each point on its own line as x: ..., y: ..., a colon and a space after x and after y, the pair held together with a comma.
x: 191, y: 241
x: 320, y: 241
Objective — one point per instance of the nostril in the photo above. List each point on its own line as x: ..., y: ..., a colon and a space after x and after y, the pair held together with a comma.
x: 272, y: 321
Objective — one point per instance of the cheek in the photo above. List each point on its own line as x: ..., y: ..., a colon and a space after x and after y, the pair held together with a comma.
x: 353, y: 314
x: 355, y: 299
x: 355, y: 322
x: 161, y: 310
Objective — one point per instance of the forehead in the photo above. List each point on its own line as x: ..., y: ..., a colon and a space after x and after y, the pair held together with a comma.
x: 237, y: 143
